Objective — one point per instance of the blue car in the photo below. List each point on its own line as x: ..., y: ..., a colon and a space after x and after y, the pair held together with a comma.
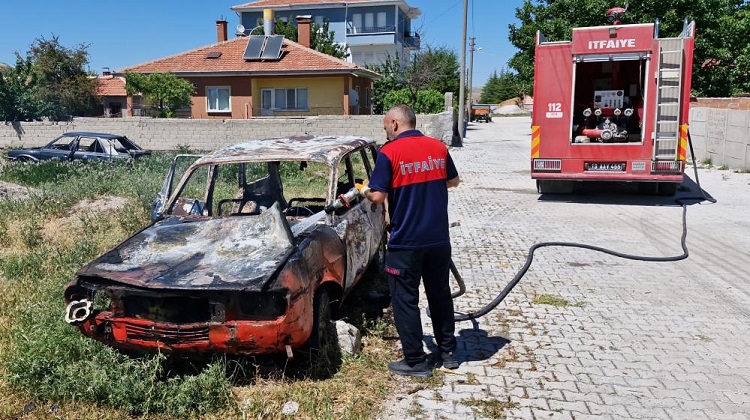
x: 81, y: 146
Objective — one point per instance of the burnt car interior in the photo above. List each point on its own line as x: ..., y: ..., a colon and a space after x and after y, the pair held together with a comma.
x: 248, y: 188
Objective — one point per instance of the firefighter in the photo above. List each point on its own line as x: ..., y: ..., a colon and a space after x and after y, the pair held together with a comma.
x: 413, y: 172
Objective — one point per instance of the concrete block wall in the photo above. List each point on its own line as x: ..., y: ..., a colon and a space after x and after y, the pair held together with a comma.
x: 168, y: 134
x: 722, y: 135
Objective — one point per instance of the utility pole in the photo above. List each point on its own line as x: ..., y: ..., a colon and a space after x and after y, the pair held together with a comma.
x: 462, y: 84
x: 471, y: 71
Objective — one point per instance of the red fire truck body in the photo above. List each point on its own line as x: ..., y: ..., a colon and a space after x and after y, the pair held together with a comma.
x: 612, y: 105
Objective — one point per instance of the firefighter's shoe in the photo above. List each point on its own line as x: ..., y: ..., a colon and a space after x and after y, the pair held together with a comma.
x: 419, y: 370
x: 449, y: 360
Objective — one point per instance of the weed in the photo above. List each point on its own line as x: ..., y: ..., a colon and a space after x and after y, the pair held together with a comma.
x: 707, y: 162
x: 556, y: 301
x: 31, y: 234
x: 471, y: 379
x: 723, y: 167
x: 415, y: 410
x: 184, y: 149
x: 490, y: 408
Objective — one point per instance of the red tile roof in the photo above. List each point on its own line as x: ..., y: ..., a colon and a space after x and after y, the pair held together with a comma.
x: 111, y: 86
x: 295, y: 59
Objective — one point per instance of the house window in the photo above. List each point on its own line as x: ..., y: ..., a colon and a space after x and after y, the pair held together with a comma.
x: 357, y: 22
x: 290, y: 99
x: 381, y: 20
x: 217, y: 99
x: 369, y: 22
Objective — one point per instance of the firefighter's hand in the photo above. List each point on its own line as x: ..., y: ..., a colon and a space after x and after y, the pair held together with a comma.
x: 362, y: 188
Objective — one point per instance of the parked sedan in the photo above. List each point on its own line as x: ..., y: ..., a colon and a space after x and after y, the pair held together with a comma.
x: 251, y: 252
x: 82, y: 146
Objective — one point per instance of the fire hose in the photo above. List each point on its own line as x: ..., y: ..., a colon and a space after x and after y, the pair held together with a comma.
x: 519, y: 275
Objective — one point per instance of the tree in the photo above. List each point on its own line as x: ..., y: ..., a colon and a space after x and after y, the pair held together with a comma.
x: 60, y: 79
x: 164, y: 91
x: 429, y: 101
x: 435, y: 69
x: 321, y: 37
x: 391, y: 80
x: 501, y: 87
x: 19, y: 100
x: 721, y: 49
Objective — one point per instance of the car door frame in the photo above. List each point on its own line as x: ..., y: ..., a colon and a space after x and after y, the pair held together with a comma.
x: 354, y: 226
x: 49, y: 153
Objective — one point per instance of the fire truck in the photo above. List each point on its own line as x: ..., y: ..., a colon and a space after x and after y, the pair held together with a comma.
x: 612, y: 104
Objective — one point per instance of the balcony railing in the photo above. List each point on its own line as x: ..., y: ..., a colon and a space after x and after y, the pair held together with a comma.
x: 411, y: 40
x: 370, y: 30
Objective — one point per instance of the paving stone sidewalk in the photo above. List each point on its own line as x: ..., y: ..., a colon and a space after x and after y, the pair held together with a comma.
x: 627, y: 339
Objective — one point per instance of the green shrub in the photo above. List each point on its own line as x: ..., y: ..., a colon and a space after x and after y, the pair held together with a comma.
x: 428, y: 101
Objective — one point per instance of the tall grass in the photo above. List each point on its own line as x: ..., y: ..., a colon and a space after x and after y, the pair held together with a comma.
x: 42, y: 359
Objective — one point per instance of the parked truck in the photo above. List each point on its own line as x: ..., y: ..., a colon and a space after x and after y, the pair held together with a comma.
x: 481, y: 113
x: 612, y: 104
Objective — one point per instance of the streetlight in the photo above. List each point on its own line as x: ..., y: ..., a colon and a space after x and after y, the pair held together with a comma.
x: 461, y: 102
x: 471, y: 69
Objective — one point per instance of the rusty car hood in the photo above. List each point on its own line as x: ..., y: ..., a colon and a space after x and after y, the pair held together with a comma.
x: 225, y: 253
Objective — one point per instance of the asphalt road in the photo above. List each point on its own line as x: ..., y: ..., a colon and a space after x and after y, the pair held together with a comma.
x: 627, y: 339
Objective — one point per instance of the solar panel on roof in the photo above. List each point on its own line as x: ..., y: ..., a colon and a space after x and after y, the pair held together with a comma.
x: 273, y: 47
x: 254, y: 47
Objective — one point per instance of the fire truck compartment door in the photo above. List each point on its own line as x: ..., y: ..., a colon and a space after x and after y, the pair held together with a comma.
x: 553, y: 89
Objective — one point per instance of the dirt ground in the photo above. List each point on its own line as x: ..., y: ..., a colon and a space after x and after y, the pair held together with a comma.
x: 13, y: 191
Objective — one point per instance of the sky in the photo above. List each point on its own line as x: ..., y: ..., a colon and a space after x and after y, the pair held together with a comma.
x: 121, y: 34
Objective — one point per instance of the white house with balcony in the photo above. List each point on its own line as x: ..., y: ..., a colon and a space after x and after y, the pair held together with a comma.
x: 370, y: 29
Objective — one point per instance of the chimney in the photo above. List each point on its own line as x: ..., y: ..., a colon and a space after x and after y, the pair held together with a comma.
x: 268, y: 21
x: 221, y: 30
x: 304, y: 31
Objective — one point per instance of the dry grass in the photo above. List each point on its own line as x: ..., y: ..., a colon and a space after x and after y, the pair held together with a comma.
x: 554, y: 300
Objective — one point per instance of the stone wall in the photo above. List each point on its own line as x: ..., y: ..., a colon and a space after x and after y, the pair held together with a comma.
x: 721, y: 135
x: 168, y: 134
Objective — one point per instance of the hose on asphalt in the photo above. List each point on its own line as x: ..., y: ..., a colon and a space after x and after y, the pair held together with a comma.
x: 530, y: 258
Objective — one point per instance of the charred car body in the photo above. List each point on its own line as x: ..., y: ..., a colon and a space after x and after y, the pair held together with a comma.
x: 240, y: 258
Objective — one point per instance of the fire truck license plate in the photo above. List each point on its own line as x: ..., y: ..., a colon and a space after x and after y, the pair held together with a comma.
x: 605, y: 166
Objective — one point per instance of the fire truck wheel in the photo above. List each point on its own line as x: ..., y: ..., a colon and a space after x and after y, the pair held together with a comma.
x: 647, y: 188
x: 549, y: 186
x: 667, y: 189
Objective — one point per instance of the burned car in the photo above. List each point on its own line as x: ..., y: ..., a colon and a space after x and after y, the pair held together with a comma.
x: 82, y: 146
x: 242, y: 256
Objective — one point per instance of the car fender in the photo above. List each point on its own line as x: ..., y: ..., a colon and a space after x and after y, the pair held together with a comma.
x: 23, y: 158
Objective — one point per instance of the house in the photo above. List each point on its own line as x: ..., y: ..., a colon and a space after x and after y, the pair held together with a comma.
x: 246, y: 77
x: 111, y: 89
x: 371, y: 29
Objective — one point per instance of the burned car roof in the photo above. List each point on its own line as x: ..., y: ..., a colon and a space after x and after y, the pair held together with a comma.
x: 324, y: 149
